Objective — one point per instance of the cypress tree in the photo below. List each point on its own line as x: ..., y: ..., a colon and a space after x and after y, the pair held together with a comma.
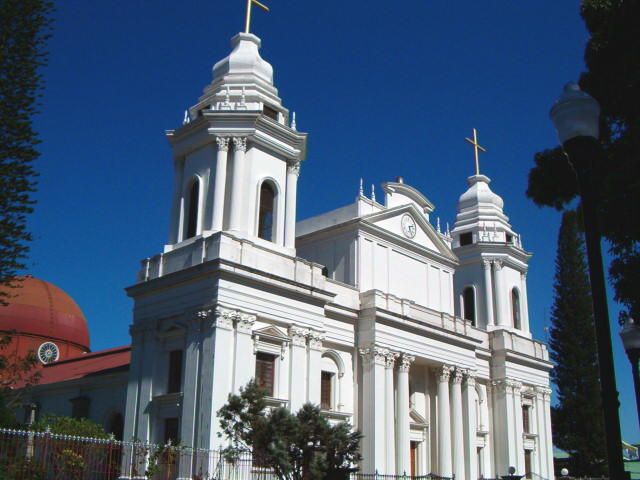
x: 24, y: 29
x: 577, y: 417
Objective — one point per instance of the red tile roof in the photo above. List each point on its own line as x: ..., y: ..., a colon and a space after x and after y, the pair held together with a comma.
x: 90, y: 364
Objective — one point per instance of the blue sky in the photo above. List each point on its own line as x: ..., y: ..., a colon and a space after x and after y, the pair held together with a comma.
x: 383, y: 88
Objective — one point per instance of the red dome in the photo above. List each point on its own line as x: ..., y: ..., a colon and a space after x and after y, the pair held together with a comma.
x: 38, y: 308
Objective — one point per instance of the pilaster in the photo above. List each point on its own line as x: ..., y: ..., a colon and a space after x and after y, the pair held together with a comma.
x: 238, y: 217
x: 374, y: 360
x: 524, y: 302
x: 488, y: 292
x: 457, y: 425
x: 244, y: 369
x: 220, y: 183
x: 445, y: 467
x: 298, y: 368
x: 505, y: 429
x: 293, y: 172
x: 470, y: 424
x: 315, y: 339
x: 498, y: 273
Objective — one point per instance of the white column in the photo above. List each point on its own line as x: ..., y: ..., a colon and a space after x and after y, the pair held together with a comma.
x: 541, y: 430
x: 175, y: 228
x: 524, y: 303
x: 238, y: 217
x: 373, y: 411
x: 293, y: 171
x: 486, y: 413
x: 218, y: 354
x: 298, y: 367
x: 504, y: 438
x: 444, y: 423
x: 469, y: 397
x: 457, y: 425
x: 547, y: 416
x: 220, y: 183
x: 488, y: 291
x: 501, y: 320
x: 519, y: 427
x: 390, y: 416
x: 314, y: 373
x: 403, y: 450
x: 245, y: 365
x: 133, y: 394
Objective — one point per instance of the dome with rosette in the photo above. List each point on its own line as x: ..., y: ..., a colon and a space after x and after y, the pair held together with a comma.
x: 42, y: 318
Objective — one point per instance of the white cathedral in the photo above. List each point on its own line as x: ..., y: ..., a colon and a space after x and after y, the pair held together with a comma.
x: 418, y: 338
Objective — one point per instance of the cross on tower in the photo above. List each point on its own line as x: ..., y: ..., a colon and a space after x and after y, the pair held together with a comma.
x: 250, y: 3
x: 477, y: 148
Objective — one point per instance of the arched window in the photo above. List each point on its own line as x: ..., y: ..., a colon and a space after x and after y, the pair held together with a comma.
x: 265, y: 214
x: 515, y: 308
x: 469, y: 305
x: 329, y: 378
x: 192, y: 217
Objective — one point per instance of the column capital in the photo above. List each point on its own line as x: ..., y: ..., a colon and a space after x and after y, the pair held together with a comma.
x: 375, y: 354
x: 298, y: 335
x: 470, y: 377
x: 498, y: 264
x: 240, y: 144
x: 405, y: 362
x: 294, y: 168
x: 223, y: 143
x: 244, y: 322
x: 457, y: 376
x: 223, y: 318
x: 444, y: 373
x: 486, y: 264
x: 315, y: 338
x: 390, y: 359
x: 543, y: 392
x: 523, y: 275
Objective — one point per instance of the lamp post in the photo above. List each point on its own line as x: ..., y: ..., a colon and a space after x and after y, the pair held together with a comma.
x: 630, y: 335
x: 576, y: 117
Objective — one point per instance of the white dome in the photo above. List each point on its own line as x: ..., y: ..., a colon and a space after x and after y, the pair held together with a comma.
x: 479, y: 194
x: 244, y: 60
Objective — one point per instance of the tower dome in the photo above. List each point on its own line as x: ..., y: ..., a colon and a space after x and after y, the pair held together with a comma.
x: 44, y: 319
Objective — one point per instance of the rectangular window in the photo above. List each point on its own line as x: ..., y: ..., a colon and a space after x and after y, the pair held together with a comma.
x: 326, y: 391
x: 526, y: 419
x: 174, y: 380
x: 265, y: 372
x: 171, y: 432
x: 527, y: 464
x: 466, y: 239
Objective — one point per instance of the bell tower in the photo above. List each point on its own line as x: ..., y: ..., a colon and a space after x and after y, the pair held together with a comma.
x: 237, y: 157
x: 490, y: 283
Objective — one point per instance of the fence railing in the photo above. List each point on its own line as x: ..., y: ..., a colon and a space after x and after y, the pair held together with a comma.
x: 27, y: 455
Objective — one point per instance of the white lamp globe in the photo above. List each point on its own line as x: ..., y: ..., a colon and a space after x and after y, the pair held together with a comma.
x: 575, y: 114
x: 564, y: 472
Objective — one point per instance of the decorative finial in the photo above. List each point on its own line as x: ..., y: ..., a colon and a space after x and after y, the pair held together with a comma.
x: 187, y: 117
x: 293, y: 121
x: 250, y: 3
x: 373, y: 192
x: 438, y: 224
x: 477, y: 148
x: 448, y: 231
x: 361, y: 189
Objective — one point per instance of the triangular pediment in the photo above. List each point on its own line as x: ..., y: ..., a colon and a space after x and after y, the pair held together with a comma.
x: 271, y: 332
x: 406, y: 222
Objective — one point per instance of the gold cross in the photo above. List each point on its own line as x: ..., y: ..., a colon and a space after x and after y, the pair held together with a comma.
x: 477, y: 148
x: 250, y: 3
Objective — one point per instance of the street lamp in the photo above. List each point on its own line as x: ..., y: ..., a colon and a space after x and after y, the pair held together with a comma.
x: 576, y: 117
x: 630, y: 335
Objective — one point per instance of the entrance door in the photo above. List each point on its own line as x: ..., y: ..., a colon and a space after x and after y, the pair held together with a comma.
x: 414, y: 458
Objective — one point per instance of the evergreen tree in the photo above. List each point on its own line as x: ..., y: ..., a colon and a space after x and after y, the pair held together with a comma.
x: 577, y: 418
x: 24, y: 29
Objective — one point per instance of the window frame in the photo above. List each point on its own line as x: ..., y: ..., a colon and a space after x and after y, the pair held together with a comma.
x: 474, y: 319
x: 273, y: 186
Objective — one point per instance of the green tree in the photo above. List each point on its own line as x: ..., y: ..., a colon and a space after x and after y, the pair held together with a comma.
x: 80, y: 427
x: 14, y: 370
x: 24, y: 29
x: 295, y: 446
x: 577, y: 418
x: 612, y: 77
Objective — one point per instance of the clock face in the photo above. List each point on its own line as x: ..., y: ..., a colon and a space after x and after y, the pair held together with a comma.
x: 408, y: 226
x: 48, y: 352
